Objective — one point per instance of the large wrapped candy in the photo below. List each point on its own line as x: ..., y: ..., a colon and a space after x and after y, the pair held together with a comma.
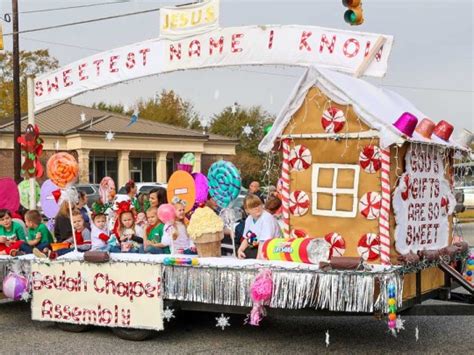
x: 300, y: 250
x: 369, y: 246
x: 63, y: 169
x: 14, y: 286
x: 224, y: 182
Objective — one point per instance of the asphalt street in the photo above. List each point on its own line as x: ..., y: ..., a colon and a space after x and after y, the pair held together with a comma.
x: 193, y: 332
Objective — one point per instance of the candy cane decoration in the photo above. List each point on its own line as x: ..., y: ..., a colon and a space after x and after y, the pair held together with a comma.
x: 285, y: 176
x: 384, y: 221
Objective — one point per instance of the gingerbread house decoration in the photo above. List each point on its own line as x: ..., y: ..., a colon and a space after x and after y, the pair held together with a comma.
x: 356, y: 176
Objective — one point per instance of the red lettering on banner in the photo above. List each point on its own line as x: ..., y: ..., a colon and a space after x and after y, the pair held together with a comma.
x: 82, y: 76
x: 39, y: 88
x: 378, y: 55
x: 175, y: 52
x: 194, y: 48
x: 97, y: 63
x: 216, y: 44
x: 113, y: 63
x: 235, y: 42
x: 52, y: 85
x: 356, y: 47
x: 144, y: 52
x: 304, y: 40
x: 67, y: 78
x: 270, y: 39
x: 130, y: 63
x: 325, y: 42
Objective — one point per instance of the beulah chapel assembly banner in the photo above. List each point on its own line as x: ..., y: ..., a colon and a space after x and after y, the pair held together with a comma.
x: 111, y: 294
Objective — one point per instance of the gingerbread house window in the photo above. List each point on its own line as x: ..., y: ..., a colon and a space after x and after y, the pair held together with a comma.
x: 335, y: 190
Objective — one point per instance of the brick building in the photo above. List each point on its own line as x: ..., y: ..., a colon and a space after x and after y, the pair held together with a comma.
x: 146, y: 151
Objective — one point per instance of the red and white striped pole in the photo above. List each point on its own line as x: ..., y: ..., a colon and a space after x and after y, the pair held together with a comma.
x: 285, y: 177
x: 384, y: 220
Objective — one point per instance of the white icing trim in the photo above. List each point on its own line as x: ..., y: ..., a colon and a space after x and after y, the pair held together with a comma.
x: 334, y: 191
x: 365, y: 134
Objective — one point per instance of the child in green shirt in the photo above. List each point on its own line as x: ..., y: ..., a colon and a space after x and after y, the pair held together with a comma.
x: 12, y: 234
x: 154, y: 234
x: 38, y: 238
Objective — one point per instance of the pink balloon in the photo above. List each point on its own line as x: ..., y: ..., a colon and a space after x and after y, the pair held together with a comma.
x: 166, y: 213
x: 9, y: 195
x: 202, y: 187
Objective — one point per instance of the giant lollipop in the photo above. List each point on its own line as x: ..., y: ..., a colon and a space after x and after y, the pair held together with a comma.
x: 63, y: 169
x: 48, y: 202
x: 202, y: 187
x: 9, y: 195
x: 224, y: 182
x: 24, y: 190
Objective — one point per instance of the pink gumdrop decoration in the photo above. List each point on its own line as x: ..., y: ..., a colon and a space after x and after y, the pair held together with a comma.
x: 392, y: 324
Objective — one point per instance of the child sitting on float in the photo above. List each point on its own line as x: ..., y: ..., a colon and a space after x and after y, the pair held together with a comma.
x: 38, y: 238
x: 175, y: 233
x: 260, y: 226
x: 154, y: 233
x: 99, y: 231
x: 125, y: 238
x: 12, y: 234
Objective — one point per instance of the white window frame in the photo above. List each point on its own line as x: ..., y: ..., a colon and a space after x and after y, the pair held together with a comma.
x: 334, y: 191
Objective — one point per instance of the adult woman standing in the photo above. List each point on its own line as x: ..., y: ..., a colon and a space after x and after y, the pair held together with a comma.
x: 62, y: 224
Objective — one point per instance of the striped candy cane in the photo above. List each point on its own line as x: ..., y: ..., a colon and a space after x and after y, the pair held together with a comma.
x: 285, y: 177
x: 384, y: 225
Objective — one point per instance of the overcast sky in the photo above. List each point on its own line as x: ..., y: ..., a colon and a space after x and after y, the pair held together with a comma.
x: 431, y: 62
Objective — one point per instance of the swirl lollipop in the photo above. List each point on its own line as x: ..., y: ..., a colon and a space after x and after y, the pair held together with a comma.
x: 224, y: 182
x: 63, y: 169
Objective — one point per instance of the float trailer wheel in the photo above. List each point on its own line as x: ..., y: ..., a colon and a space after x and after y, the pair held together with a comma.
x: 133, y: 334
x: 73, y: 328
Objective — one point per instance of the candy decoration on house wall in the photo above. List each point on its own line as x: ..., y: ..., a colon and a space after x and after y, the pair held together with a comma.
x: 224, y: 182
x: 31, y: 150
x: 299, y: 203
x: 298, y: 233
x: 370, y: 204
x: 333, y: 120
x: 300, y: 158
x: 369, y: 246
x: 337, y: 244
x: 370, y: 159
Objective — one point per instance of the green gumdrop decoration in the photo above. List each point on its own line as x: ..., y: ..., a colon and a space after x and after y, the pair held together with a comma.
x: 267, y: 129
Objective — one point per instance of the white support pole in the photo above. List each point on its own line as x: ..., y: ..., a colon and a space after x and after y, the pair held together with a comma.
x: 31, y: 120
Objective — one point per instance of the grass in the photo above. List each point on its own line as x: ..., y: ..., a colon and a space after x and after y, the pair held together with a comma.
x: 468, y: 214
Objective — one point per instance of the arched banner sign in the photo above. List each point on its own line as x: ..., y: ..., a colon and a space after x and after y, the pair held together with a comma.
x: 234, y: 46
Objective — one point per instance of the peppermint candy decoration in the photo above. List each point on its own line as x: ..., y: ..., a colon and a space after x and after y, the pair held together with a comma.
x: 370, y: 159
x: 369, y: 205
x: 333, y: 120
x: 337, y: 243
x: 300, y: 158
x: 369, y: 246
x: 299, y: 203
x: 298, y: 233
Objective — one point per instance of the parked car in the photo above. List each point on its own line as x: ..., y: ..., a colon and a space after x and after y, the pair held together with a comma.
x: 468, y: 192
x: 91, y: 190
x: 142, y: 187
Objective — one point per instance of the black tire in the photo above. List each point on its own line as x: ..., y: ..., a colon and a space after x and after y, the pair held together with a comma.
x: 133, y: 334
x: 73, y: 328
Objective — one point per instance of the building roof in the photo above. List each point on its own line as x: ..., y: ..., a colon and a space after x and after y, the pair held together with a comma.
x: 65, y: 119
x: 377, y: 107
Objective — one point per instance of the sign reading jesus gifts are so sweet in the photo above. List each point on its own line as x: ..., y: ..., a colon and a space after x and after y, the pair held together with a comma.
x: 113, y: 295
x: 423, y: 201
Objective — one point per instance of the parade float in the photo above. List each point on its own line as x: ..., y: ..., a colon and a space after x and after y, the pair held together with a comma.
x: 366, y: 186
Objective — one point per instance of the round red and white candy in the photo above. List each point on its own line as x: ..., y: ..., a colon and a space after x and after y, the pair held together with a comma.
x: 299, y: 203
x: 300, y: 158
x: 333, y: 120
x: 369, y: 246
x: 338, y: 245
x: 369, y: 205
x: 370, y: 159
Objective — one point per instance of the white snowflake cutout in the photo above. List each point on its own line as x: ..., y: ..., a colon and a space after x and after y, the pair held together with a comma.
x: 222, y: 321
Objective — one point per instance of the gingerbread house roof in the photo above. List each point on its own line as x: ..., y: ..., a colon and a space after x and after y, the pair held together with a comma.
x: 379, y: 108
